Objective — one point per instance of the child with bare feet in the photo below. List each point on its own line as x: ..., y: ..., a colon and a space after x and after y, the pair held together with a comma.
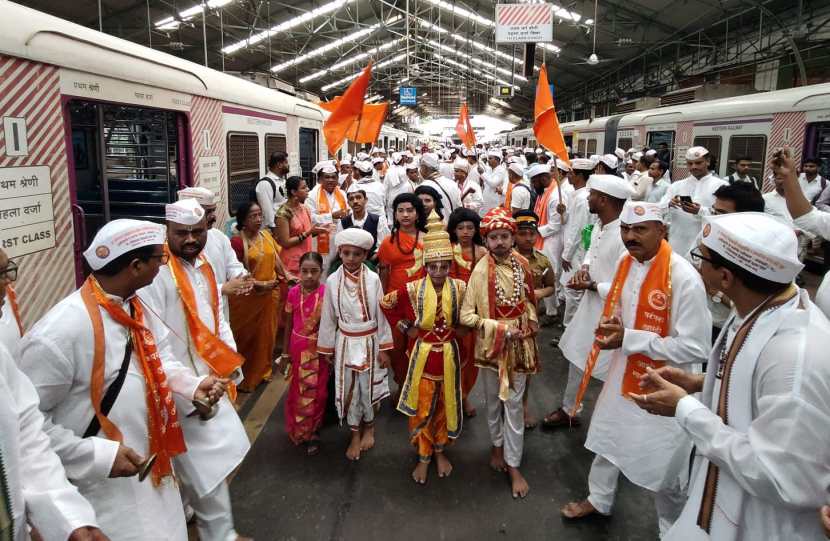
x: 354, y: 336
x: 427, y: 311
x: 500, y: 305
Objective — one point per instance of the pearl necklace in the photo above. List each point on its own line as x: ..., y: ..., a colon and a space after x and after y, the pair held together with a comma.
x: 518, y: 285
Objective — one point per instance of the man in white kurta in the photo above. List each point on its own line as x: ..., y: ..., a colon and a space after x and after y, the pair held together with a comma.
x: 573, y: 249
x: 606, y: 196
x: 468, y: 185
x: 762, y: 454
x: 328, y: 205
x: 684, y: 216
x: 355, y: 332
x: 215, y: 447
x: 34, y: 486
x: 446, y: 188
x: 395, y: 182
x: 375, y: 190
x: 494, y: 182
x: 57, y: 354
x: 650, y: 451
x: 10, y: 324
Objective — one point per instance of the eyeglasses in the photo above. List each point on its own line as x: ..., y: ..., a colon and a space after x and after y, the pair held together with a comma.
x: 162, y: 257
x: 10, y: 272
x: 697, y: 257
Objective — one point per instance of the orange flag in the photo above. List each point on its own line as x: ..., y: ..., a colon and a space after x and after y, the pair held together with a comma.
x: 545, y: 124
x: 366, y: 127
x: 464, y: 129
x: 347, y: 110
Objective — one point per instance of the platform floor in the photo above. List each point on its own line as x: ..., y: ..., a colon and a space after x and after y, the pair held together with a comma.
x: 280, y: 494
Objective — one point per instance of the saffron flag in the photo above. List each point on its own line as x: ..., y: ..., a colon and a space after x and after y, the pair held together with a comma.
x: 347, y: 110
x: 545, y: 124
x: 464, y: 129
x: 366, y: 127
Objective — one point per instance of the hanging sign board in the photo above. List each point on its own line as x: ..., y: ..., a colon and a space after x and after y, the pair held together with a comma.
x: 524, y: 23
x: 408, y: 95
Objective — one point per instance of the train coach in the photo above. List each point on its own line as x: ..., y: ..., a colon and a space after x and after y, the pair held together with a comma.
x: 96, y: 128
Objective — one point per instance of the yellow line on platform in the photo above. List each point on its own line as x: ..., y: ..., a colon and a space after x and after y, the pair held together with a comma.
x: 255, y: 420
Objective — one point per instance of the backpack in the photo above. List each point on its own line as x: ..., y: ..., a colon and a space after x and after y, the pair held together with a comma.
x: 252, y: 191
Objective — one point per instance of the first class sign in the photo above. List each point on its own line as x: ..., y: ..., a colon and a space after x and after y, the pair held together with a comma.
x: 524, y: 23
x: 27, y: 220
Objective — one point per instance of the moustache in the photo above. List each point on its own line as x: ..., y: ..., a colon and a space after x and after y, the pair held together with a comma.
x: 632, y: 244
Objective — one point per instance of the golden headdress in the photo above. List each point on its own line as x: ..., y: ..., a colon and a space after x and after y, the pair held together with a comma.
x: 437, y: 245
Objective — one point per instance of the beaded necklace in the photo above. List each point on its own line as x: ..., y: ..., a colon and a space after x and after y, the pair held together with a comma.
x: 518, y: 285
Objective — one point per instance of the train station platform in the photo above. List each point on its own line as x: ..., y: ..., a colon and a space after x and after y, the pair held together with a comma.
x: 280, y: 494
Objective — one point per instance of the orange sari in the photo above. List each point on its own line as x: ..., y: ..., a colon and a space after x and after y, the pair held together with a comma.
x: 467, y: 343
x: 255, y: 316
x: 398, y: 253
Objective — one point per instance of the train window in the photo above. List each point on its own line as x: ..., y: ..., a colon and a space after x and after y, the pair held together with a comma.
x: 754, y: 146
x: 592, y: 147
x: 712, y: 143
x: 127, y: 162
x: 243, y: 167
x: 625, y: 143
x: 308, y: 153
x: 274, y: 143
x: 524, y: 141
x: 657, y: 138
x: 580, y: 147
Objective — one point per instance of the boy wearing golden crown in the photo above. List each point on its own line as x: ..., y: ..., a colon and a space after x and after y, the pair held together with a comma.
x: 427, y: 310
x: 501, y: 307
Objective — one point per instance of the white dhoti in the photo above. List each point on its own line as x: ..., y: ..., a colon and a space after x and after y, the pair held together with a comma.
x: 571, y: 388
x: 359, y: 381
x: 505, y: 420
x: 214, y: 515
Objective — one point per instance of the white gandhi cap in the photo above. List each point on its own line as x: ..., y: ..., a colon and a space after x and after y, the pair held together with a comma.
x: 185, y: 212
x: 611, y: 185
x: 118, y: 237
x: 635, y: 212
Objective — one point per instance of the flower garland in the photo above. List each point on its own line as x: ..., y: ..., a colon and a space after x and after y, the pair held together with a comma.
x: 518, y: 285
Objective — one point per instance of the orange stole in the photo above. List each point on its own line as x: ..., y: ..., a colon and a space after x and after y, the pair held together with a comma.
x: 220, y: 357
x: 163, y: 428
x: 508, y: 198
x: 653, y: 314
x: 541, y: 209
x: 10, y: 293
x: 323, y: 207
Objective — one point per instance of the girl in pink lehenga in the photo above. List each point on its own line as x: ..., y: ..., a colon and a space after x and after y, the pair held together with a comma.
x: 307, y: 392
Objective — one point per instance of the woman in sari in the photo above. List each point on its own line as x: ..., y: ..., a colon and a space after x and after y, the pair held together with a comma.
x: 293, y: 225
x: 307, y: 392
x: 255, y: 316
x: 468, y: 246
x: 396, y: 258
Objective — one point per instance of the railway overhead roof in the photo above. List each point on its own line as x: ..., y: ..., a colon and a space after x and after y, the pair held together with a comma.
x: 447, y: 49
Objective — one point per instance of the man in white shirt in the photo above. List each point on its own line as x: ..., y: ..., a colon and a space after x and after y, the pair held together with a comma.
x: 655, y: 314
x: 270, y: 189
x: 376, y: 225
x: 328, y: 205
x: 469, y: 187
x: 184, y: 296
x: 476, y: 169
x: 94, y: 333
x: 630, y: 168
x: 573, y: 251
x: 375, y: 190
x: 495, y: 182
x: 607, y: 165
x: 743, y: 165
x: 345, y: 172
x: 776, y: 206
x: 657, y: 172
x: 395, y: 181
x: 606, y: 196
x: 33, y: 485
x: 518, y: 196
x: 446, y: 188
x: 642, y: 181
x: 761, y: 451
x: 812, y: 184
x: 690, y: 199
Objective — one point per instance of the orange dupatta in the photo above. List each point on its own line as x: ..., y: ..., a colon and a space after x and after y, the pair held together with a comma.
x: 323, y: 207
x: 15, y: 307
x: 653, y: 314
x: 163, y: 428
x: 221, y: 358
x: 541, y: 209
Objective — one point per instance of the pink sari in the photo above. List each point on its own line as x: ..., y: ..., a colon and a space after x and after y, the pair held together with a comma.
x: 299, y: 221
x: 307, y: 392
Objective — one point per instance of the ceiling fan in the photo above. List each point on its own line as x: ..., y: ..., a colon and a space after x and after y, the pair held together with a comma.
x: 593, y: 59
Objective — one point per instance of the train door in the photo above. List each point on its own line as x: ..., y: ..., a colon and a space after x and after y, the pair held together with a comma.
x: 713, y: 144
x: 818, y: 145
x: 308, y: 153
x: 127, y: 164
x: 656, y: 140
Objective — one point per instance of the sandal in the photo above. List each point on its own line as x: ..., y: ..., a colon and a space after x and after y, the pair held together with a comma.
x: 312, y: 447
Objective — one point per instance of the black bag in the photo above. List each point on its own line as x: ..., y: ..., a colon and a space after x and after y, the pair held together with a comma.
x: 252, y: 192
x: 112, y: 392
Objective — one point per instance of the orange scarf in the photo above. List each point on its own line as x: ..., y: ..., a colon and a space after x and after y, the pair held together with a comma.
x: 323, y: 207
x: 509, y: 197
x: 541, y: 209
x: 15, y: 307
x: 221, y: 358
x: 163, y: 428
x: 653, y: 314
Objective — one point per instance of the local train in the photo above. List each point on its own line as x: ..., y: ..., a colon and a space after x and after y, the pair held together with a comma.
x: 748, y: 125
x: 97, y: 128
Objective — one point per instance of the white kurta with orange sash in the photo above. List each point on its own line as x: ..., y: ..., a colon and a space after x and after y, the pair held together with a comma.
x: 217, y: 446
x: 322, y: 204
x: 551, y: 238
x: 651, y: 451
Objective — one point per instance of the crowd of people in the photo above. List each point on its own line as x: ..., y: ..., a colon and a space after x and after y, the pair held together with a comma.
x: 416, y: 276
